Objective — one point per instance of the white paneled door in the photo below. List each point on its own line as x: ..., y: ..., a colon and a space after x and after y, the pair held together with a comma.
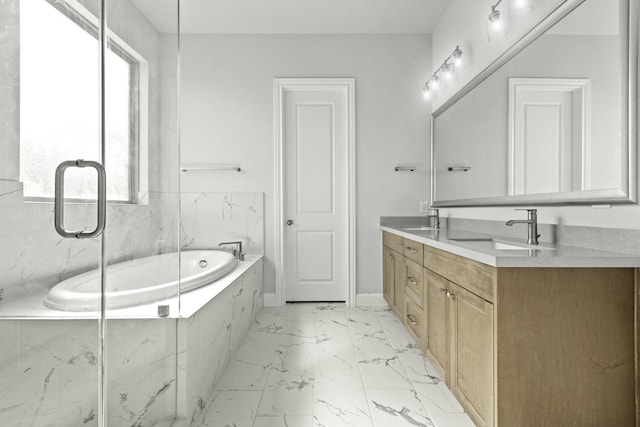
x: 315, y: 154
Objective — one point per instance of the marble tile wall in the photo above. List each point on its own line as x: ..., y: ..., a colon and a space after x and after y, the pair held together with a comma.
x: 211, y: 338
x: 210, y: 218
x: 33, y: 257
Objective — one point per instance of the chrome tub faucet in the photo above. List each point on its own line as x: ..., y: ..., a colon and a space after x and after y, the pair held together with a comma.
x: 237, y: 251
x: 532, y: 222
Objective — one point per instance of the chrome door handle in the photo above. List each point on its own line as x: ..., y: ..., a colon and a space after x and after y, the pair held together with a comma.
x: 290, y: 222
x: 59, y: 199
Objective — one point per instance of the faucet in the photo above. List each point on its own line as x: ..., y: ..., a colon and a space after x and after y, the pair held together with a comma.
x: 434, y: 217
x: 237, y: 251
x: 532, y: 222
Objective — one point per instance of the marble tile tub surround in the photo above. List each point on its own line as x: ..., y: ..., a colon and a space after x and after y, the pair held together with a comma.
x: 49, y: 374
x: 208, y: 218
x: 623, y: 241
x: 331, y: 365
x: 211, y: 337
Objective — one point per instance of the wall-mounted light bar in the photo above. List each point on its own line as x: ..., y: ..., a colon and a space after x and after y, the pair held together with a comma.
x: 446, y: 70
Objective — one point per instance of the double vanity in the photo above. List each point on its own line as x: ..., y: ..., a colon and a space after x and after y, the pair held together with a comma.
x: 523, y: 335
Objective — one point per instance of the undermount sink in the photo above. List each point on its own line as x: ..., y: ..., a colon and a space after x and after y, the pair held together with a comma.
x: 500, y: 246
x: 418, y: 228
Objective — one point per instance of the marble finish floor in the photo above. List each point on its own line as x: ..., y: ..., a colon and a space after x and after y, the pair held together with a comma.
x: 327, y: 365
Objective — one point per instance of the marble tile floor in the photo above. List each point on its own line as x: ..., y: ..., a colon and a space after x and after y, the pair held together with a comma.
x: 328, y: 365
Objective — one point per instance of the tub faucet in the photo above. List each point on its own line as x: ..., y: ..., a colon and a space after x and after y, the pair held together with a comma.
x: 237, y: 251
x: 434, y: 217
x: 532, y: 222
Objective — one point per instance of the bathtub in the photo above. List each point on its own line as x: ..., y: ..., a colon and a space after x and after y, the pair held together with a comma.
x: 141, y: 281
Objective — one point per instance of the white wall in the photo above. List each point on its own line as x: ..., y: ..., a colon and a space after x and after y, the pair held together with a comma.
x: 463, y: 23
x: 227, y: 117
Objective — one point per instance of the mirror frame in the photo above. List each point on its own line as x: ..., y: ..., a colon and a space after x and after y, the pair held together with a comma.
x: 628, y: 114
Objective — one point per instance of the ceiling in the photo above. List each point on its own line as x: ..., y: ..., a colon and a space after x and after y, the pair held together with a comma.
x: 295, y: 16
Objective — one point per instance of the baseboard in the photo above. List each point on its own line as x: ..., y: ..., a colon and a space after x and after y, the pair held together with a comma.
x: 270, y: 300
x: 370, y: 300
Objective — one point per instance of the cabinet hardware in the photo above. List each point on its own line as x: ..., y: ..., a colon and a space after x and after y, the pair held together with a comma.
x: 412, y: 280
x: 450, y: 295
x: 443, y: 290
x: 410, y: 249
x: 412, y: 320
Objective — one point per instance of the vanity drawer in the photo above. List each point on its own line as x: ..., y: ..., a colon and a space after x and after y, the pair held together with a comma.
x: 392, y: 241
x: 413, y: 250
x: 414, y: 320
x: 474, y: 276
x: 414, y: 281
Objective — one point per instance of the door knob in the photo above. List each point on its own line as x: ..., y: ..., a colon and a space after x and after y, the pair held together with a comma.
x: 290, y: 222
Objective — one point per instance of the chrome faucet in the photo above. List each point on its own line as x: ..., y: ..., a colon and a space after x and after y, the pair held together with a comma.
x: 532, y: 222
x: 237, y: 251
x: 434, y: 217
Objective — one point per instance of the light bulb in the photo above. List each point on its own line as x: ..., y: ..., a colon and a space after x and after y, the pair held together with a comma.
x: 447, y: 71
x: 457, y: 56
x: 435, y: 82
x: 520, y: 8
x: 426, y: 91
x: 496, y: 24
x: 495, y: 17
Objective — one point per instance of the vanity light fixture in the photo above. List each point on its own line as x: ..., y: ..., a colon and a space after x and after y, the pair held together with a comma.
x: 496, y: 23
x: 446, y: 69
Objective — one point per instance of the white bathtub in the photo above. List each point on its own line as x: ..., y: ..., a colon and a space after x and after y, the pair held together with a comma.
x: 141, y: 281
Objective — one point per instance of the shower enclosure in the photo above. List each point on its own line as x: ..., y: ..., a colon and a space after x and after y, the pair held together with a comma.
x: 91, y: 83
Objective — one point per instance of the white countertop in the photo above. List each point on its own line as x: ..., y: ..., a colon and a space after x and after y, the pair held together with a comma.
x: 483, y: 251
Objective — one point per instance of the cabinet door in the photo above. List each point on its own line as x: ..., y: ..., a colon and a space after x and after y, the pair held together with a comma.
x: 437, y: 319
x: 471, y: 377
x: 389, y: 275
x: 399, y: 283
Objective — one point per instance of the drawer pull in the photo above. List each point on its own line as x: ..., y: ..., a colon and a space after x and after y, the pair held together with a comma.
x: 450, y: 295
x: 412, y: 280
x: 413, y: 321
x: 410, y: 249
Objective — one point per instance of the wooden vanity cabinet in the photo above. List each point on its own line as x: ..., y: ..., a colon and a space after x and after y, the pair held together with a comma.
x: 522, y: 347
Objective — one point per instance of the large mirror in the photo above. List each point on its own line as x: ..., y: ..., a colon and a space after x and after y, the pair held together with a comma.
x: 552, y: 121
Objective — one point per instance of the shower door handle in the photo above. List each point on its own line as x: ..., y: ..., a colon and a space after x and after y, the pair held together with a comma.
x: 59, y: 199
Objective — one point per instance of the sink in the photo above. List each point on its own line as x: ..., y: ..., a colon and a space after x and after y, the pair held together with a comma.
x: 489, y: 243
x: 418, y: 228
x: 500, y: 246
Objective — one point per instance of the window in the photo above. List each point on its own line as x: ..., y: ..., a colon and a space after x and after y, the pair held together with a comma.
x: 60, y: 103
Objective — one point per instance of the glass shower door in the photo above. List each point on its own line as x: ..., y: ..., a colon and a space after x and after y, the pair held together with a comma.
x: 142, y: 251
x: 50, y: 113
